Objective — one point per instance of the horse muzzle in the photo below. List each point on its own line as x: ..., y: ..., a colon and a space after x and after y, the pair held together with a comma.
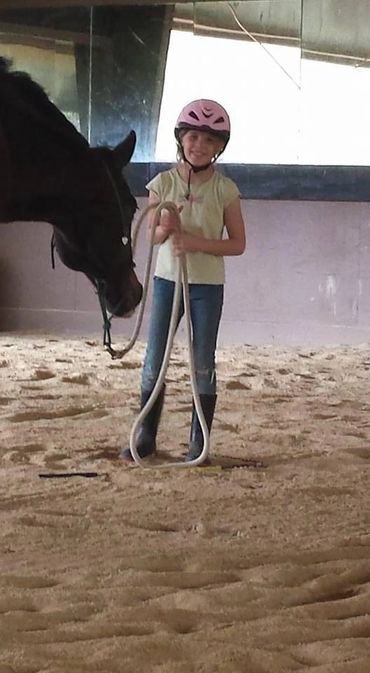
x: 126, y: 304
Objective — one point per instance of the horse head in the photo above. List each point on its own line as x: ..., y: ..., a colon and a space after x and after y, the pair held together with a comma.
x: 49, y: 173
x: 99, y: 242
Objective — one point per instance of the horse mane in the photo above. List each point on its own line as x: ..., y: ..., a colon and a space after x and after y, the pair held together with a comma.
x: 24, y: 94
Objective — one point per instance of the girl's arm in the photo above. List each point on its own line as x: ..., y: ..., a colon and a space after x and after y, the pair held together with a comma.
x: 168, y: 222
x: 233, y: 245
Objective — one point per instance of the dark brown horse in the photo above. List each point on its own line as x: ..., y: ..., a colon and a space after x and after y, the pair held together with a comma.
x: 49, y: 173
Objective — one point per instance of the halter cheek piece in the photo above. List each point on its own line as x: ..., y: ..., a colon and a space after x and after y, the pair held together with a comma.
x: 100, y: 283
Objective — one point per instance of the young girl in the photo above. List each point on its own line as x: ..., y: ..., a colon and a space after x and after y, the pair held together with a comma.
x: 210, y: 204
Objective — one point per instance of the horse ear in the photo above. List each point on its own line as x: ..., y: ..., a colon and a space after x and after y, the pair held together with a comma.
x: 125, y: 149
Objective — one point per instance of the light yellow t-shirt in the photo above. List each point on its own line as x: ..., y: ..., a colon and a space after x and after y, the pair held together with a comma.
x: 203, y: 213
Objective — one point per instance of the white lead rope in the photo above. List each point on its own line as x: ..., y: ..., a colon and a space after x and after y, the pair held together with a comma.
x: 181, y: 283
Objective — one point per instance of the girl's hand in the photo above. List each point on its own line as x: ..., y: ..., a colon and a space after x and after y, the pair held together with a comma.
x: 170, y: 222
x: 183, y: 242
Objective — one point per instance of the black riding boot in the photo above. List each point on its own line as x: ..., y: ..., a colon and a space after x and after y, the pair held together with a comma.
x: 208, y: 404
x: 147, y: 433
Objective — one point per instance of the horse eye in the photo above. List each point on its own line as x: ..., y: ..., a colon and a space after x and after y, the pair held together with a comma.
x: 124, y: 240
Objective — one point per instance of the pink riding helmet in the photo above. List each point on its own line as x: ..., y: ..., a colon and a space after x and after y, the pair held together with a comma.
x: 204, y: 115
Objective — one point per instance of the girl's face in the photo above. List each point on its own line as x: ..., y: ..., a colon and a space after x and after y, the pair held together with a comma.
x: 200, y: 147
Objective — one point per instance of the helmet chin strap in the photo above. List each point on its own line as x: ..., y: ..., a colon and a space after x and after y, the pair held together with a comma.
x: 195, y: 169
x: 198, y: 169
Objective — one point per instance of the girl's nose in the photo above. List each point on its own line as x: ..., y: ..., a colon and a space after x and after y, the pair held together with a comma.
x: 200, y: 143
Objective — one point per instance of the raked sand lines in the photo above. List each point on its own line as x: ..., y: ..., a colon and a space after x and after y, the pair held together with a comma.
x: 258, y: 564
x: 304, y: 608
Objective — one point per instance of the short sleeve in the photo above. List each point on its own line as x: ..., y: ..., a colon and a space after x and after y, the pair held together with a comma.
x: 230, y: 192
x: 156, y: 185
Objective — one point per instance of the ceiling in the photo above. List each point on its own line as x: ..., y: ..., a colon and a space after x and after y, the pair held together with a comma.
x: 334, y: 29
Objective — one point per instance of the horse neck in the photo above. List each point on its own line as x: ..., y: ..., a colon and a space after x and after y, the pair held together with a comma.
x: 52, y: 188
x: 5, y: 183
x: 42, y: 159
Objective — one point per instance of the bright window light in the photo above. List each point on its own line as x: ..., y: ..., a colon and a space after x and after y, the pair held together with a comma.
x: 283, y: 110
x: 263, y: 102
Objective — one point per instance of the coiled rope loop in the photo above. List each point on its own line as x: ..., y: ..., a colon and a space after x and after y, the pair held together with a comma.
x: 181, y: 285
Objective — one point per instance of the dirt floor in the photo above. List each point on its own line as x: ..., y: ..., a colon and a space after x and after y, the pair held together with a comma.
x: 259, y: 563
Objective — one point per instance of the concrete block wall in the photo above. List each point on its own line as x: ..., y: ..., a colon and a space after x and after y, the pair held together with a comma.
x: 304, y: 279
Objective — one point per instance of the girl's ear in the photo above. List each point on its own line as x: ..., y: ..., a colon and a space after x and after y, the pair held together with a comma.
x: 220, y: 147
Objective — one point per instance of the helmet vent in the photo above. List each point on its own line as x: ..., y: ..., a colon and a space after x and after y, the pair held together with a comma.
x: 193, y: 115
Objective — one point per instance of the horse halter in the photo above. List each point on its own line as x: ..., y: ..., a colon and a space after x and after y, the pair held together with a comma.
x: 107, y: 320
x: 125, y: 239
x: 99, y: 282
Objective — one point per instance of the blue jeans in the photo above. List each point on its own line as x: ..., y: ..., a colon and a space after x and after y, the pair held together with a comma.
x: 206, y: 303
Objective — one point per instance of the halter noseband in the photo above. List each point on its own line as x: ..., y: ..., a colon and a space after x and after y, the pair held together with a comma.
x: 101, y: 284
